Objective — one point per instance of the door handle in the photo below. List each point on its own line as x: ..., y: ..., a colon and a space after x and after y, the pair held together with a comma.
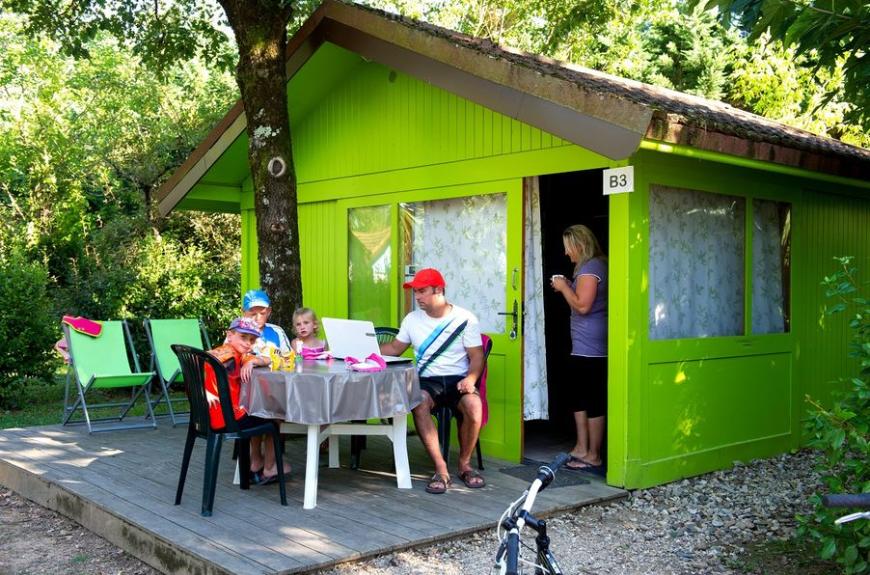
x: 515, y: 316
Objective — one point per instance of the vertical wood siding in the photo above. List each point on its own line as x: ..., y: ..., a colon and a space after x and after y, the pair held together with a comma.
x: 319, y: 248
x: 829, y: 226
x: 378, y: 120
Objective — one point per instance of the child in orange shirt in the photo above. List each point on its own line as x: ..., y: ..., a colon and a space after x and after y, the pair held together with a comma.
x: 236, y: 356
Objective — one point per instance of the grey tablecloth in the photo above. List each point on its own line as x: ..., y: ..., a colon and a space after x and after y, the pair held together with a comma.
x: 327, y: 392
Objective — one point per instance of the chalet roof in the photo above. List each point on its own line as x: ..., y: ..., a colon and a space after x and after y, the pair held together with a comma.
x: 598, y: 111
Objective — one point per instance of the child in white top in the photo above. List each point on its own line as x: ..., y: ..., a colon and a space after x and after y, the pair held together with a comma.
x: 305, y: 326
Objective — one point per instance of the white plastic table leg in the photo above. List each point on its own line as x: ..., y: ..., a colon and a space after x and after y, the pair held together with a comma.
x: 400, y: 451
x: 312, y: 462
x: 333, y: 452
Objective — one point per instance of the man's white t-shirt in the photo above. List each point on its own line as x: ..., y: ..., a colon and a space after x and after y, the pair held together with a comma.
x: 418, y: 327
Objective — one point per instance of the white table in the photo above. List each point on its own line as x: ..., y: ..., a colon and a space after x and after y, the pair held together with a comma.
x: 320, y: 398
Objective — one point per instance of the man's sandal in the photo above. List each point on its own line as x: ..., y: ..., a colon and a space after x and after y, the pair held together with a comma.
x: 438, y: 484
x: 472, y: 479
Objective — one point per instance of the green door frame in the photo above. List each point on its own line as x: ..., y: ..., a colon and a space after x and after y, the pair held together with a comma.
x: 502, y: 436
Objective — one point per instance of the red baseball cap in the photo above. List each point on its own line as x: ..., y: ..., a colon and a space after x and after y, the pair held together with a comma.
x: 427, y: 277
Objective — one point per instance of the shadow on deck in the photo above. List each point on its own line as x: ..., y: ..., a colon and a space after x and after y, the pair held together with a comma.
x: 121, y: 485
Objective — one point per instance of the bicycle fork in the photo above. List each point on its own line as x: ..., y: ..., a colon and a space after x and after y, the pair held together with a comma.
x: 546, y: 564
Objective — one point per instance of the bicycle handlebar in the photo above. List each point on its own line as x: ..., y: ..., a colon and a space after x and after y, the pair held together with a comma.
x: 861, y: 500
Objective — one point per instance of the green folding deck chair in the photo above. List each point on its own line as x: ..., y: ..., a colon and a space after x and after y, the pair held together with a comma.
x: 102, y: 363
x: 162, y: 334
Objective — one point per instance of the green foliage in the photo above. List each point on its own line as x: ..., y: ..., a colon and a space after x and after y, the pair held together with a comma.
x: 160, y: 33
x: 83, y: 144
x: 776, y: 82
x: 177, y: 280
x: 842, y: 433
x: 26, y: 326
x: 834, y: 34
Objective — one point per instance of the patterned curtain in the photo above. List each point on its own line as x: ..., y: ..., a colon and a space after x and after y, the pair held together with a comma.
x: 696, y: 264
x: 465, y: 239
x: 535, y: 402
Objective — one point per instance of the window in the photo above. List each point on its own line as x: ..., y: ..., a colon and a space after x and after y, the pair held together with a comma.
x: 369, y: 264
x: 696, y: 264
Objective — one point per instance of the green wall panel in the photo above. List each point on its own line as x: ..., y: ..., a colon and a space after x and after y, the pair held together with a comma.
x: 829, y: 225
x: 319, y: 247
x: 698, y: 405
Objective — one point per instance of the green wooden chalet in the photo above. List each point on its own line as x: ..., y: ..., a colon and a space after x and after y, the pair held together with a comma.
x: 420, y: 147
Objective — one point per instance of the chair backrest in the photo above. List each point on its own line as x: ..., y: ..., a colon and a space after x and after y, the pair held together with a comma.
x: 193, y: 363
x: 162, y: 333
x: 481, y: 385
x: 103, y: 355
x: 386, y: 334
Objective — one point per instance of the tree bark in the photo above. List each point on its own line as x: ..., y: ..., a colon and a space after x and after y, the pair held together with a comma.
x: 260, y: 27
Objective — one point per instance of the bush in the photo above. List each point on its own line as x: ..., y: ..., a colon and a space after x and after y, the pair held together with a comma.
x: 183, y: 281
x: 27, y: 328
x: 842, y: 433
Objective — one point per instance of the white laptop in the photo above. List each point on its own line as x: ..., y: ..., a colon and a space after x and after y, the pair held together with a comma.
x: 354, y: 338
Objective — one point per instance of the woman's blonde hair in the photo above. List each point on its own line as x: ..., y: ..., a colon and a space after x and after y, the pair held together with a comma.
x: 580, y: 240
x: 305, y: 311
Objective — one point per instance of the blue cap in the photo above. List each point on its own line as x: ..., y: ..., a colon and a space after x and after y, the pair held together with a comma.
x: 255, y: 298
x: 245, y: 325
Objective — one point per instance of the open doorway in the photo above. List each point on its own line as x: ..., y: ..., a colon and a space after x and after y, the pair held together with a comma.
x: 565, y: 199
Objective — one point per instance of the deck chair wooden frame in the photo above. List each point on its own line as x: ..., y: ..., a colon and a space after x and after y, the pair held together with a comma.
x: 103, y: 362
x: 162, y: 333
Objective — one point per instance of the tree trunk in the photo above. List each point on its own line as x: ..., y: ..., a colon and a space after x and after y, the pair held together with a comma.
x: 260, y: 27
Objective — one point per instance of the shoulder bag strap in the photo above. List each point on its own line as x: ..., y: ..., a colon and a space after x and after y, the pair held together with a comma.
x: 456, y: 333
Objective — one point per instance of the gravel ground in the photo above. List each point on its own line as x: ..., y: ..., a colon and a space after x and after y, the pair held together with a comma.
x: 36, y: 541
x: 694, y: 526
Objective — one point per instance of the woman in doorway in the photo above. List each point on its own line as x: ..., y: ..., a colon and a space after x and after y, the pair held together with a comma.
x: 586, y: 295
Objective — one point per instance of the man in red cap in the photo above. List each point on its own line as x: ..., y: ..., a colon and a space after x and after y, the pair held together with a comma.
x: 449, y: 354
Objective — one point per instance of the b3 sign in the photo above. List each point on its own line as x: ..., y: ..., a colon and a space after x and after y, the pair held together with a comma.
x: 619, y: 180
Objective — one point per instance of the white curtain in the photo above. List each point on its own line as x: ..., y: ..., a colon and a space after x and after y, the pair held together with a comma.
x: 696, y: 255
x: 770, y: 243
x: 535, y: 404
x: 465, y: 239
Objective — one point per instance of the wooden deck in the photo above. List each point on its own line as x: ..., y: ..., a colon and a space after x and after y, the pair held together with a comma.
x: 121, y: 485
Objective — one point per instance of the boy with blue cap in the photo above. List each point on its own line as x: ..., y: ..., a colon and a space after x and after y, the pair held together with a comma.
x: 257, y: 307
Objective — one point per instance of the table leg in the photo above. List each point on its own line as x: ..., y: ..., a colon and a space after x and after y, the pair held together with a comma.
x: 333, y: 452
x: 311, y: 464
x: 236, y: 478
x: 400, y: 451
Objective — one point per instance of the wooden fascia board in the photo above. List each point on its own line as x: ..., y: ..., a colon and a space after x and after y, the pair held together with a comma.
x: 669, y: 129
